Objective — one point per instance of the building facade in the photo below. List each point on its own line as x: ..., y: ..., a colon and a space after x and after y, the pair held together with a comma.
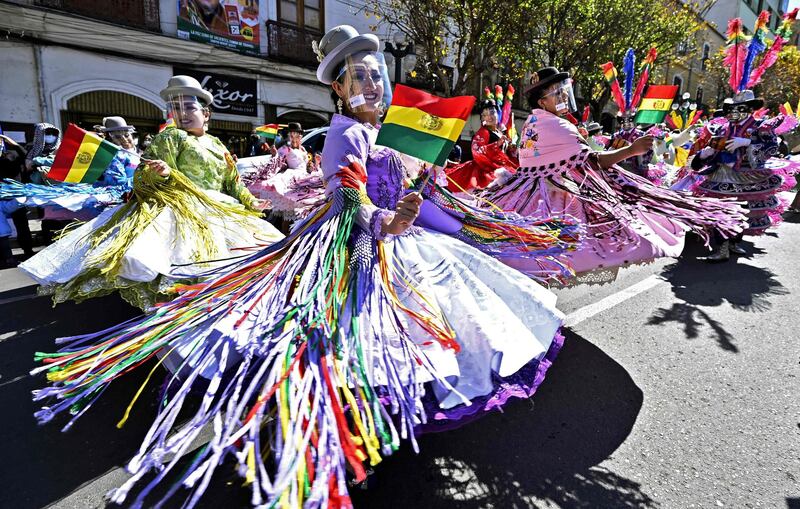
x: 80, y: 60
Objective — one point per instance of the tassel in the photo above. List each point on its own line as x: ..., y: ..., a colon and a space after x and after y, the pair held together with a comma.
x: 756, y: 47
x: 628, y: 64
x: 644, y: 75
x: 610, y: 75
x: 782, y: 35
x: 735, y: 53
x: 587, y: 113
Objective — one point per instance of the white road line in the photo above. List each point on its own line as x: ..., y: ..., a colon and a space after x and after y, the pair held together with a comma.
x: 17, y: 299
x: 609, y: 302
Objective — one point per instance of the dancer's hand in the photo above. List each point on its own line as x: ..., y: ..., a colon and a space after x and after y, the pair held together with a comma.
x: 260, y: 205
x: 641, y: 146
x: 405, y: 213
x: 159, y: 167
x: 735, y: 143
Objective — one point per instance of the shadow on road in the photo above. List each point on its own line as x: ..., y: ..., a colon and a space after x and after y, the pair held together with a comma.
x: 697, y: 283
x: 547, y: 449
x: 40, y: 464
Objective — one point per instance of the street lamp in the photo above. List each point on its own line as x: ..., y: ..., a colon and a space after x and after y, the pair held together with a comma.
x: 399, y: 50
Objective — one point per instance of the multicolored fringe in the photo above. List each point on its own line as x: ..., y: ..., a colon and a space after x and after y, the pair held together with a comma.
x: 12, y: 189
x: 610, y: 197
x: 151, y: 195
x: 506, y: 235
x: 312, y: 368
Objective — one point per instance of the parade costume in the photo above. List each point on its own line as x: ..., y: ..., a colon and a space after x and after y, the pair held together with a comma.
x: 736, y: 154
x: 628, y: 101
x: 336, y: 343
x: 200, y: 212
x: 627, y: 219
x: 492, y: 149
x: 290, y: 181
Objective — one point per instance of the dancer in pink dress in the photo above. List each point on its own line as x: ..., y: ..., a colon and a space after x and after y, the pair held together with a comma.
x: 291, y: 180
x: 628, y: 220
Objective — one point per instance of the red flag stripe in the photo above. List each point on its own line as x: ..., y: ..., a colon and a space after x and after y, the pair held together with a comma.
x: 661, y: 92
x: 453, y: 107
x: 67, y: 152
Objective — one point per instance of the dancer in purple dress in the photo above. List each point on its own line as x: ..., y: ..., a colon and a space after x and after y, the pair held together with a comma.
x: 320, y: 354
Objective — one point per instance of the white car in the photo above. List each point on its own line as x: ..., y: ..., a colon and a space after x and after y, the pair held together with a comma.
x: 313, y: 140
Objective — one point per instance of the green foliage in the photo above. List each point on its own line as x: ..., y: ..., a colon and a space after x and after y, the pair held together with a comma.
x: 781, y: 82
x: 507, y: 39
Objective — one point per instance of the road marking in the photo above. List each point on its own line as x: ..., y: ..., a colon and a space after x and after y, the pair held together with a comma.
x: 609, y: 302
x: 17, y: 299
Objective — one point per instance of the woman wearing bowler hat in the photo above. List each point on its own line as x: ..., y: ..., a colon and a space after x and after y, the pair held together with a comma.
x: 187, y: 209
x: 291, y: 181
x: 372, y: 321
x: 628, y: 220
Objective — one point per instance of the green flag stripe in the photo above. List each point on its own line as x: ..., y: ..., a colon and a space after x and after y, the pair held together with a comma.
x: 650, y: 117
x: 427, y: 147
x: 102, y: 158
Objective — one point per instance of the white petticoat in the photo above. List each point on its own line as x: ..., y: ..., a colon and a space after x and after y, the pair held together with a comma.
x: 502, y: 319
x: 156, y: 251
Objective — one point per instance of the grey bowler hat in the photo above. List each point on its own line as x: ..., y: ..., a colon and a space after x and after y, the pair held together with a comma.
x: 111, y: 124
x: 334, y: 47
x: 186, y: 85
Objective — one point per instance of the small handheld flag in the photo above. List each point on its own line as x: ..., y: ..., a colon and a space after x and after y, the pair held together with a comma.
x: 656, y: 104
x: 269, y: 131
x: 169, y: 124
x: 82, y: 157
x: 423, y: 125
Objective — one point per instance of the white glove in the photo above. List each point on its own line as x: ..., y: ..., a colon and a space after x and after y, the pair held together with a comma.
x: 707, y: 152
x: 682, y: 137
x: 734, y: 143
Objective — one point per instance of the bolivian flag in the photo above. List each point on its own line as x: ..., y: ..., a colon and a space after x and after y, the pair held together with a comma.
x: 423, y: 125
x: 269, y: 131
x: 82, y: 156
x: 655, y: 104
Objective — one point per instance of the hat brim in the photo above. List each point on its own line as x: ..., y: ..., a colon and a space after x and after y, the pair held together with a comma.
x: 199, y: 92
x: 752, y: 103
x: 329, y: 64
x: 112, y: 129
x: 547, y: 82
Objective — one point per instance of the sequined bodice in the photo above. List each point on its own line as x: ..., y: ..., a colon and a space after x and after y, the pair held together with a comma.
x: 384, y: 178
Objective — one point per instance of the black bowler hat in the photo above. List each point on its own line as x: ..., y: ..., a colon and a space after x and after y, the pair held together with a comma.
x: 487, y: 104
x: 544, y: 78
x: 294, y: 127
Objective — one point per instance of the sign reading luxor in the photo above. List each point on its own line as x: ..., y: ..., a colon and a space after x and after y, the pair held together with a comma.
x: 232, y: 94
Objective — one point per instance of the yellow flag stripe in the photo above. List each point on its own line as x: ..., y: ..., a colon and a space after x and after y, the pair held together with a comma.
x: 655, y: 104
x: 89, y: 146
x: 413, y: 118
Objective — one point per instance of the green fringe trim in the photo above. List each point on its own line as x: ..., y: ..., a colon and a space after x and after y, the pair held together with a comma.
x: 151, y: 194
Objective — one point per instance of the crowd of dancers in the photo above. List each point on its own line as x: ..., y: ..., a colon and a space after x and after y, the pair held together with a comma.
x: 397, y: 297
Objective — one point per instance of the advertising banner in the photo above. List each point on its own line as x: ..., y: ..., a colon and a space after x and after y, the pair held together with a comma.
x: 231, y: 24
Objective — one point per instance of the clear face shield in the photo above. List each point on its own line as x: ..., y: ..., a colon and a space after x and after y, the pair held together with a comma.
x: 363, y: 84
x: 124, y: 139
x: 188, y: 111
x: 563, y: 96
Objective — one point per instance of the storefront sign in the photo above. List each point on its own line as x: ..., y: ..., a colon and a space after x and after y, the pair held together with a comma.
x: 232, y: 94
x: 231, y: 24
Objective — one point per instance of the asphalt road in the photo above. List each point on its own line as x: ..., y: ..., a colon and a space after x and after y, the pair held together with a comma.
x: 677, y: 387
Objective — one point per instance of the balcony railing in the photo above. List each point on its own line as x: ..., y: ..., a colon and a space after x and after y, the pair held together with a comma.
x: 133, y: 13
x: 291, y: 44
